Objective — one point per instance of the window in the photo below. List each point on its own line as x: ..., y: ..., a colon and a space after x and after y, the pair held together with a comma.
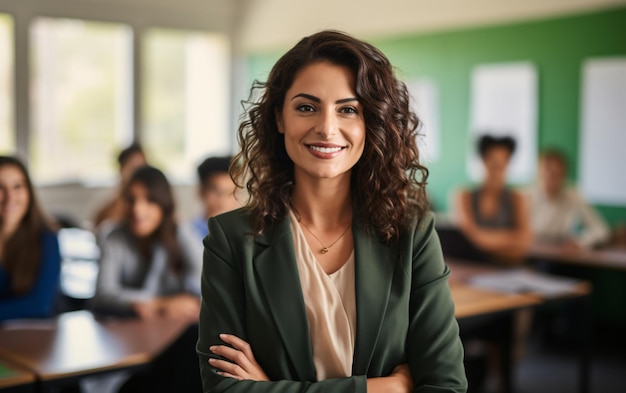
x: 82, y: 99
x: 7, y: 130
x: 185, y: 96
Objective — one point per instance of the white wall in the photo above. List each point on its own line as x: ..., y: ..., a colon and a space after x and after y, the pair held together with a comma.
x: 276, y: 24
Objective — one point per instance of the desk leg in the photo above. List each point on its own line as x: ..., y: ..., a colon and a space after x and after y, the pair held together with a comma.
x: 585, y: 332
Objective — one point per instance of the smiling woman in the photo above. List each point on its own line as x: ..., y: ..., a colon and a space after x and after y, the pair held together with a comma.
x: 329, y: 158
x: 30, y: 261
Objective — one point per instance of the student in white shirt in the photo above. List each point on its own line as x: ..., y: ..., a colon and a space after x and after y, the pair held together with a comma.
x: 559, y: 213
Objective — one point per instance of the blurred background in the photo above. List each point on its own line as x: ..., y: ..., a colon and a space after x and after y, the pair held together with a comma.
x: 81, y: 79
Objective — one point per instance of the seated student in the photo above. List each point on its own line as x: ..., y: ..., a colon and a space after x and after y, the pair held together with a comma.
x: 150, y: 266
x: 30, y: 261
x: 492, y: 216
x: 217, y: 192
x: 129, y: 160
x: 558, y: 212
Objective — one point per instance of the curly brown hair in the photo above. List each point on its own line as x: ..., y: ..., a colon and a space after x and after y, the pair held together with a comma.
x: 388, y: 182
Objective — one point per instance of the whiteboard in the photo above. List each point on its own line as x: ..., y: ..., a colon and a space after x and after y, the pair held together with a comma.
x: 425, y: 103
x: 602, y: 147
x: 504, y: 102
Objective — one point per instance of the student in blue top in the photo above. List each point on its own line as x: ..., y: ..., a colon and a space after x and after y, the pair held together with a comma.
x: 29, y: 250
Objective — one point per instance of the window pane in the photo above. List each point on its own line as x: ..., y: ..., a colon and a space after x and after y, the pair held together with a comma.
x: 185, y: 99
x: 7, y: 132
x: 82, y: 98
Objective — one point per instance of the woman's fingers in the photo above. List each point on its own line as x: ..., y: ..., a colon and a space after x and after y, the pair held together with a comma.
x: 232, y: 354
x: 239, y: 363
x: 225, y: 374
x: 239, y: 344
x: 234, y: 370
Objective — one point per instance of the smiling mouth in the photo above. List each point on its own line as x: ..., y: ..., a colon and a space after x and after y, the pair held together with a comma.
x: 325, y: 149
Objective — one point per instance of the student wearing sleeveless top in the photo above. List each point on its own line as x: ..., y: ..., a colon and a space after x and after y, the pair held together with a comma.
x: 331, y: 278
x: 493, y: 216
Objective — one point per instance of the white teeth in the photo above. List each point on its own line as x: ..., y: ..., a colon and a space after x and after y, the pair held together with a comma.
x: 325, y: 149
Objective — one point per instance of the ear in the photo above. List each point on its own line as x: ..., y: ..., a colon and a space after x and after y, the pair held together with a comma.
x: 279, y: 122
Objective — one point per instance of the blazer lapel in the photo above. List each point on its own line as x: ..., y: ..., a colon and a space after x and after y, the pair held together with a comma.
x: 275, y: 265
x: 374, y: 267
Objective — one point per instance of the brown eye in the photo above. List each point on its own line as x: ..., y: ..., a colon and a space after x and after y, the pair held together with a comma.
x: 305, y: 108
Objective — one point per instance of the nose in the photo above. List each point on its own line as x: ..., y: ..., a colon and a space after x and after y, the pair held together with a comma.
x: 327, y: 125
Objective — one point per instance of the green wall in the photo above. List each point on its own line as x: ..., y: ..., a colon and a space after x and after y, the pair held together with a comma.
x: 557, y: 47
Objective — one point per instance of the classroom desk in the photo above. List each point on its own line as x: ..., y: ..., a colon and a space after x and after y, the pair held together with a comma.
x: 607, y: 258
x: 470, y: 301
x: 15, y: 379
x: 474, y: 303
x: 76, y: 344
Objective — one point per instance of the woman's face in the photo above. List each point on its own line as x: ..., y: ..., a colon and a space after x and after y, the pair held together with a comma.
x: 14, y: 195
x: 322, y: 122
x: 551, y: 175
x: 496, y: 161
x: 144, y: 215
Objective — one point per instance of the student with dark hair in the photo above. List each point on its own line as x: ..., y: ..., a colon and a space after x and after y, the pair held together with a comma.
x: 331, y: 279
x: 492, y: 216
x: 559, y: 213
x: 216, y: 190
x: 129, y: 159
x: 150, y: 265
x: 30, y: 261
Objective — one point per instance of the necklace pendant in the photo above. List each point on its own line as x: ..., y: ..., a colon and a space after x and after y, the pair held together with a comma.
x: 324, y: 250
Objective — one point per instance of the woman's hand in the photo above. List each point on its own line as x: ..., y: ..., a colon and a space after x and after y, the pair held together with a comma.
x: 182, y: 306
x: 240, y: 362
x: 146, y: 310
x: 400, y: 381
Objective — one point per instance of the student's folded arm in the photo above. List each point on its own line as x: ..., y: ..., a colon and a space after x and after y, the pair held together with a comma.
x: 435, y: 352
x: 222, y: 311
x: 595, y: 230
x: 38, y: 301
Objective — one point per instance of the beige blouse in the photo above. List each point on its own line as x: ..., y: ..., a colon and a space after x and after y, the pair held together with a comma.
x: 330, y: 307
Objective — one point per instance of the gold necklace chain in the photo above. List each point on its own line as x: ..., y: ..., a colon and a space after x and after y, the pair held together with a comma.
x: 325, y: 249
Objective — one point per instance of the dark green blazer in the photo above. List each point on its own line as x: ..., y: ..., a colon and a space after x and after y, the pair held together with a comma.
x: 251, y: 288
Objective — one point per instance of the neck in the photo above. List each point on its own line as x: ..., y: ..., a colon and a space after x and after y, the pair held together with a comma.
x: 323, y: 203
x: 7, y: 229
x: 492, y: 187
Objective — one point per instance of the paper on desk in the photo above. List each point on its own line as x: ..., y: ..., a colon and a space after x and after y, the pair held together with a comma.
x: 524, y: 281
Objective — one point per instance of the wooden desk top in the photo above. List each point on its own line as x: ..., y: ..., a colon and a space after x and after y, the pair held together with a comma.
x: 609, y: 258
x: 16, y: 376
x: 77, y: 344
x: 470, y: 301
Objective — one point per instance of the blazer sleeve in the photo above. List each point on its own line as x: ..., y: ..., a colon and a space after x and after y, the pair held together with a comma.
x: 222, y: 311
x: 434, y: 348
x: 39, y: 301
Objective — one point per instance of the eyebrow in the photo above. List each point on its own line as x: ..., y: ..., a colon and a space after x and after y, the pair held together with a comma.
x: 316, y: 99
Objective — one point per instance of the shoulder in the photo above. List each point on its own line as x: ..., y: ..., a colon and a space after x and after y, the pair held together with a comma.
x: 119, y: 236
x: 49, y: 242
x: 50, y: 250
x: 238, y: 221
x: 49, y: 237
x: 421, y: 228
